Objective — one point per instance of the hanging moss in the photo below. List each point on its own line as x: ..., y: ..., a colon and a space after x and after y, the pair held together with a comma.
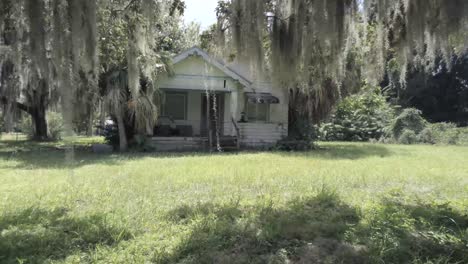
x: 53, y: 47
x: 309, y: 41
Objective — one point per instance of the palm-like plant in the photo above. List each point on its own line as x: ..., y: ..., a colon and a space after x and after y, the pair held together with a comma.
x: 115, y: 101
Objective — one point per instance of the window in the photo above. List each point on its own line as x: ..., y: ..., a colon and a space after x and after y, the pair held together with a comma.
x: 257, y: 112
x: 175, y: 106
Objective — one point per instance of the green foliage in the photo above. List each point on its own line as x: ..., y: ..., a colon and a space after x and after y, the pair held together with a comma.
x: 38, y: 234
x: 55, y: 125
x: 142, y: 143
x: 404, y: 230
x: 111, y: 135
x: 408, y: 137
x: 409, y: 120
x: 25, y: 126
x: 359, y: 117
x: 266, y: 232
x: 411, y: 128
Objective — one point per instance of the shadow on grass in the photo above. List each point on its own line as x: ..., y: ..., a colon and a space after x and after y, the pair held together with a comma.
x: 38, y: 236
x: 303, y: 231
x: 402, y: 231
x: 33, y: 155
x: 343, y: 151
x: 321, y: 229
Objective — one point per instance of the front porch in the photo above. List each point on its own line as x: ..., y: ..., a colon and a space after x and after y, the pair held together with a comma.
x: 191, y: 114
x: 191, y: 121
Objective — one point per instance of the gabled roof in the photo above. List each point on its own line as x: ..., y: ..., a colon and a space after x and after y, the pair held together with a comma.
x: 196, y: 51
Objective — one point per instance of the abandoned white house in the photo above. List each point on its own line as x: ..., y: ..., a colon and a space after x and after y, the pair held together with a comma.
x: 207, y: 101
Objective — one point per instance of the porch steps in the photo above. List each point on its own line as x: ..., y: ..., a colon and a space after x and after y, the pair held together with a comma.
x: 228, y: 144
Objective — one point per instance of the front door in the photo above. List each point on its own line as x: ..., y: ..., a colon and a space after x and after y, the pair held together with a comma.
x: 212, y: 115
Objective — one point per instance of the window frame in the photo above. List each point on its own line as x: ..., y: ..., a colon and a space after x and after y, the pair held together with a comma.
x: 185, y: 104
x: 247, y: 111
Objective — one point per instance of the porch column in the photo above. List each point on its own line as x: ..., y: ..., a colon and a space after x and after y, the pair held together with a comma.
x: 234, y: 97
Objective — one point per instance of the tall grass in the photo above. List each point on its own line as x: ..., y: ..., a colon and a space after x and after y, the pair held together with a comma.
x: 343, y: 203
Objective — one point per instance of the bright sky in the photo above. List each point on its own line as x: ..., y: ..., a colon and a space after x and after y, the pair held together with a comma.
x: 202, y: 11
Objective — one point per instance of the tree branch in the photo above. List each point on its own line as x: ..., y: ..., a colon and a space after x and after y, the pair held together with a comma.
x: 125, y: 8
x: 18, y: 105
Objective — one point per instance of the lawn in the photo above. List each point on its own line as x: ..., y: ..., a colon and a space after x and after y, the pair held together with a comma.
x: 342, y: 203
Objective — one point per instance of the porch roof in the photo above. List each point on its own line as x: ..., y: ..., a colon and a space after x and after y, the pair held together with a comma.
x: 262, y: 98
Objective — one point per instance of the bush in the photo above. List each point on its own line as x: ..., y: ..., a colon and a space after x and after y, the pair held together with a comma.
x: 142, y: 143
x: 410, y: 119
x: 26, y: 126
x: 111, y: 134
x: 359, y: 118
x: 55, y: 125
x: 408, y: 137
x: 463, y: 136
x: 440, y: 133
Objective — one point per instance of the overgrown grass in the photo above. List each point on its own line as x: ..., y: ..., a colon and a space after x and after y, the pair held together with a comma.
x: 343, y: 203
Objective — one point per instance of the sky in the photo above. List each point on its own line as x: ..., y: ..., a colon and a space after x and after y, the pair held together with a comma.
x: 202, y: 11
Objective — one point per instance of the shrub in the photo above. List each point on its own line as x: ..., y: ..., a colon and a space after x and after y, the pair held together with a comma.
x: 463, y: 136
x: 408, y: 137
x: 111, y: 134
x: 26, y: 126
x: 427, y: 136
x: 55, y: 125
x: 359, y: 118
x: 410, y: 119
x: 444, y: 134
x: 142, y: 143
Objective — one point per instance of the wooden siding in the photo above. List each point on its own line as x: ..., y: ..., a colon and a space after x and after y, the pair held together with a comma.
x: 261, y: 134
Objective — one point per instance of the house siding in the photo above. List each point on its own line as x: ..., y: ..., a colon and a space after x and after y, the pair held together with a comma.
x: 261, y: 135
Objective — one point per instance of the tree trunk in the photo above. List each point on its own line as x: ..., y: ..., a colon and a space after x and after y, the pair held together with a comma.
x: 122, y: 135
x: 90, y: 125
x: 39, y: 120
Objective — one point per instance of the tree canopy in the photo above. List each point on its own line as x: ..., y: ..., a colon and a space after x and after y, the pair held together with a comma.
x: 50, y: 49
x: 315, y: 45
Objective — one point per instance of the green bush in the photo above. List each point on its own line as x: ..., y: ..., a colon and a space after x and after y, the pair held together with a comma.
x: 55, y: 125
x: 408, y: 137
x: 410, y: 119
x: 142, y: 143
x: 26, y: 126
x: 444, y: 134
x: 463, y: 136
x: 359, y: 118
x: 111, y: 135
x: 440, y: 133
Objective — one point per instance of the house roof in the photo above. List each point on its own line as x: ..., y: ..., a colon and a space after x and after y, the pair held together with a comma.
x: 196, y: 51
